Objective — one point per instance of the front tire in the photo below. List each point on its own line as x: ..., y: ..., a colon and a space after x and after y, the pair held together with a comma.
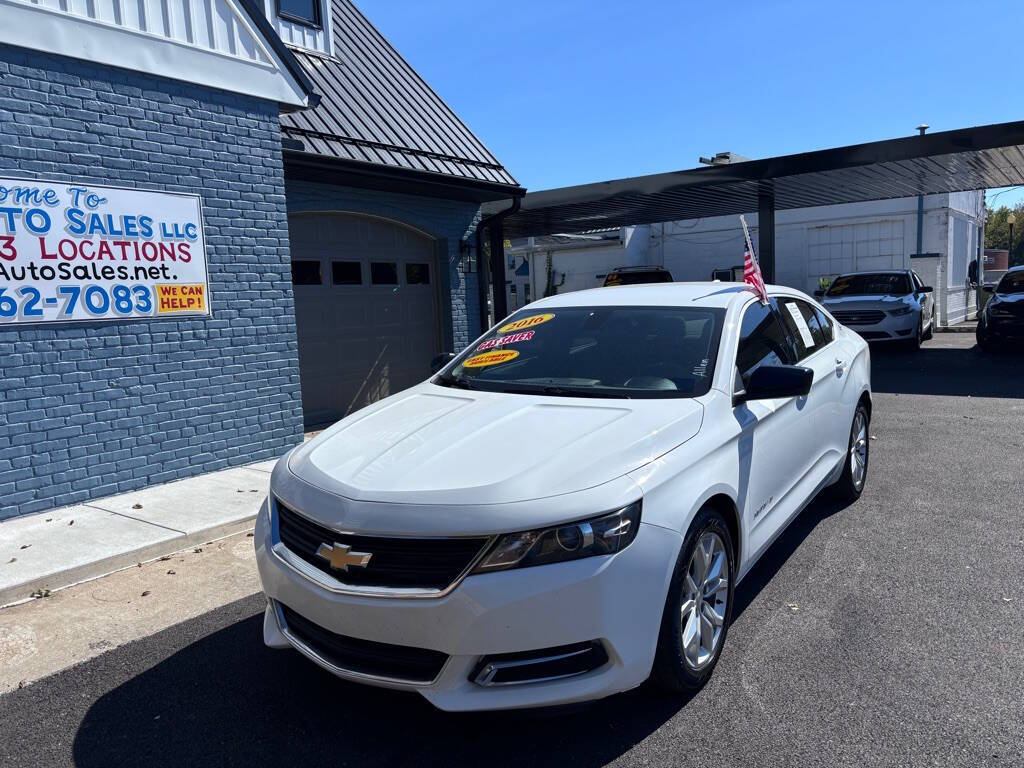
x: 855, y: 467
x: 698, y: 608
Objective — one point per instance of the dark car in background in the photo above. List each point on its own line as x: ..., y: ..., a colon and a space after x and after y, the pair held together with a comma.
x: 637, y: 275
x: 1003, y: 317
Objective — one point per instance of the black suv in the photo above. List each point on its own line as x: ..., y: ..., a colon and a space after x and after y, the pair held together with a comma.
x: 1003, y: 317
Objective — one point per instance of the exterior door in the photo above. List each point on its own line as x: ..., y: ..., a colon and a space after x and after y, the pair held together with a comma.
x: 366, y: 310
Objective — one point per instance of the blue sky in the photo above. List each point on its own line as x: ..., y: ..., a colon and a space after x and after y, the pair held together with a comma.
x: 566, y: 92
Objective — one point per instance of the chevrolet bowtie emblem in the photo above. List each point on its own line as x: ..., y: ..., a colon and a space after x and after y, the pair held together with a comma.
x: 341, y: 556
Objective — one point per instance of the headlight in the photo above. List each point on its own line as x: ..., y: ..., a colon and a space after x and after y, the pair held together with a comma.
x: 901, y: 311
x: 604, y: 535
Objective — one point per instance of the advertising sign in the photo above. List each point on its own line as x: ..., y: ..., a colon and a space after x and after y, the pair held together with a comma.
x: 71, y: 251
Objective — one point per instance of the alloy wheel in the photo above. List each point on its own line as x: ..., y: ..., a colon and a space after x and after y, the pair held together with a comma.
x: 705, y: 600
x: 859, y: 450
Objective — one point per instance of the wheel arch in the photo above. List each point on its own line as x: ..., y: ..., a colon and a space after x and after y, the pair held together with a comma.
x: 723, y: 503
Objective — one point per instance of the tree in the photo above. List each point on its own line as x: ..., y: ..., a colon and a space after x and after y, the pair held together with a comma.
x: 997, y: 231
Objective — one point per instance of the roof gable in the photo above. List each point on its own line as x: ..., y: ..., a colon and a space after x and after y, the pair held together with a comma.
x: 216, y: 43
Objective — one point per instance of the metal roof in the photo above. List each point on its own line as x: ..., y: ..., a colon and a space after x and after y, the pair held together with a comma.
x: 950, y: 161
x: 376, y: 109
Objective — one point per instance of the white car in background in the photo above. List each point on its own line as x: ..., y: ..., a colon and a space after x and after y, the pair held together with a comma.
x: 883, y: 306
x: 565, y: 510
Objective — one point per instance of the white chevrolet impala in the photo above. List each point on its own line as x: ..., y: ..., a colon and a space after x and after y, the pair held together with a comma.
x: 565, y: 510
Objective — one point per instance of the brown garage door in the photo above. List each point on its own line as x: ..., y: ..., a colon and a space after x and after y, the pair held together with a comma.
x: 366, y: 309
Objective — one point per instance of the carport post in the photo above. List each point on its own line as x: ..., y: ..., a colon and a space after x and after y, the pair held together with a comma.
x: 766, y: 231
x: 497, y: 234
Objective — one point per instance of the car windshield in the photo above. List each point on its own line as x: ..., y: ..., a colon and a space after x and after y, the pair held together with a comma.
x: 1012, y: 282
x: 595, y: 352
x: 870, y: 285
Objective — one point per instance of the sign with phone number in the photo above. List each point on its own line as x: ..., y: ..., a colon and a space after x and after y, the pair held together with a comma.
x: 72, y: 251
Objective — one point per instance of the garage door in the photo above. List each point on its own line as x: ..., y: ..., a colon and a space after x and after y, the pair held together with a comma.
x: 366, y: 310
x: 832, y: 250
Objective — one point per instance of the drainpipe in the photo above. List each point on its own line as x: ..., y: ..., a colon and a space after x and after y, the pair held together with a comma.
x: 481, y: 283
x: 920, y: 205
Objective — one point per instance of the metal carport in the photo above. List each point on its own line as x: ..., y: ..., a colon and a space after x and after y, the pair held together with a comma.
x: 948, y: 161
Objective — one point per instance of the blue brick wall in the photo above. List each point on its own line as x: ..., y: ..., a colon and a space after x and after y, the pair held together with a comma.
x: 452, y: 220
x: 92, y: 409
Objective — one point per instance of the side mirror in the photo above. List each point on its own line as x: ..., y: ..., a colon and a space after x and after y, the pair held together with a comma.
x: 776, y: 381
x: 819, y: 293
x: 988, y: 288
x: 440, y: 361
x: 925, y: 289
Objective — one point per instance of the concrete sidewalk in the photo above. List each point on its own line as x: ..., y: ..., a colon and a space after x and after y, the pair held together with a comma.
x: 51, y: 550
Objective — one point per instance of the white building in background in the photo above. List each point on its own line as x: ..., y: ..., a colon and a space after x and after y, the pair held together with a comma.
x: 811, y: 243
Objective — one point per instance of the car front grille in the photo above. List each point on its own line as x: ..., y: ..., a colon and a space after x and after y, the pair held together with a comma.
x: 405, y: 563
x: 364, y: 657
x: 859, y: 316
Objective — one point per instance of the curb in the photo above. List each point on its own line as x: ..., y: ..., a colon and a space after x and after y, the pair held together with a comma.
x: 22, y: 593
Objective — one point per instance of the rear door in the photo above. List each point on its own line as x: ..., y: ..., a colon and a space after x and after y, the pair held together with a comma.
x: 773, y: 442
x: 816, y: 349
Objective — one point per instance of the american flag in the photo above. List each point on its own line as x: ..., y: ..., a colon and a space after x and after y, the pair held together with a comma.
x: 751, y: 269
x: 752, y: 276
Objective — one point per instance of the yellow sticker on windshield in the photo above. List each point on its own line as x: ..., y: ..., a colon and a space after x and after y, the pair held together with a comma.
x: 491, y: 358
x: 526, y: 322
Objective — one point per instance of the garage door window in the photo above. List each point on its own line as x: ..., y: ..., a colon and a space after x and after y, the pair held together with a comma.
x: 346, y: 273
x: 384, y: 273
x: 306, y: 273
x: 417, y: 274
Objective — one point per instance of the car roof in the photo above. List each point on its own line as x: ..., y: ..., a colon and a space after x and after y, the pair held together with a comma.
x: 704, y: 294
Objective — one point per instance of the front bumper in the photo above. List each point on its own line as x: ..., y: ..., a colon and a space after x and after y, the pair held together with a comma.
x: 617, y: 600
x: 899, y: 328
x: 999, y: 327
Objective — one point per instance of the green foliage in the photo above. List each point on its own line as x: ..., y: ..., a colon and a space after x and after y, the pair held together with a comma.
x: 997, y: 231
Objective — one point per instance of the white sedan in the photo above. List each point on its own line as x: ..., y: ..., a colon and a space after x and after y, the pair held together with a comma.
x: 565, y: 510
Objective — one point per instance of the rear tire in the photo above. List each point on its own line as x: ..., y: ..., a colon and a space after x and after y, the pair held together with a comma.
x: 698, y: 608
x: 851, y: 483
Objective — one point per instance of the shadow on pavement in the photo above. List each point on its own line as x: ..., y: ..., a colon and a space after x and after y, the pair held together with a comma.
x: 227, y: 700
x: 942, y: 370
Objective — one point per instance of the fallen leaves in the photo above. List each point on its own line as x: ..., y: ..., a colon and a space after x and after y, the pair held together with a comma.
x: 40, y: 593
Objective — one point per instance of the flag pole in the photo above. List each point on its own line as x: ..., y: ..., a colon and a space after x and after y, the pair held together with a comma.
x: 746, y: 236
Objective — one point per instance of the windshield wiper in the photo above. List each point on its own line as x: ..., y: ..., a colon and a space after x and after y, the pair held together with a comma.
x: 451, y: 381
x: 555, y: 391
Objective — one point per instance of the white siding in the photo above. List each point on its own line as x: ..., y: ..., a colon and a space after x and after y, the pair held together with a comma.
x: 302, y: 35
x: 183, y: 21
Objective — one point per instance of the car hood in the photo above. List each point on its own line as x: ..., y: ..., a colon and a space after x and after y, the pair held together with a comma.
x: 1011, y: 302
x: 862, y: 302
x: 434, y: 445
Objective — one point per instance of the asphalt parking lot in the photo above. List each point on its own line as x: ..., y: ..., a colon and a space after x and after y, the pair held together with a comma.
x: 890, y: 633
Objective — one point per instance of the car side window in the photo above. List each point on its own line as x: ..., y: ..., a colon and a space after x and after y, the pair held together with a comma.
x: 803, y: 325
x: 827, y: 329
x: 763, y: 341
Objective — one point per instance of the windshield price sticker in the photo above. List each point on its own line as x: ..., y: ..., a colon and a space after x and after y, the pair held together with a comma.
x: 491, y: 358
x: 801, y: 324
x: 525, y: 322
x: 71, y: 251
x: 503, y: 340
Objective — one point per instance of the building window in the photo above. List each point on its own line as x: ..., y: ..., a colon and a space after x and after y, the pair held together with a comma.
x: 300, y: 11
x: 346, y: 273
x: 384, y: 273
x: 306, y: 273
x: 417, y: 274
